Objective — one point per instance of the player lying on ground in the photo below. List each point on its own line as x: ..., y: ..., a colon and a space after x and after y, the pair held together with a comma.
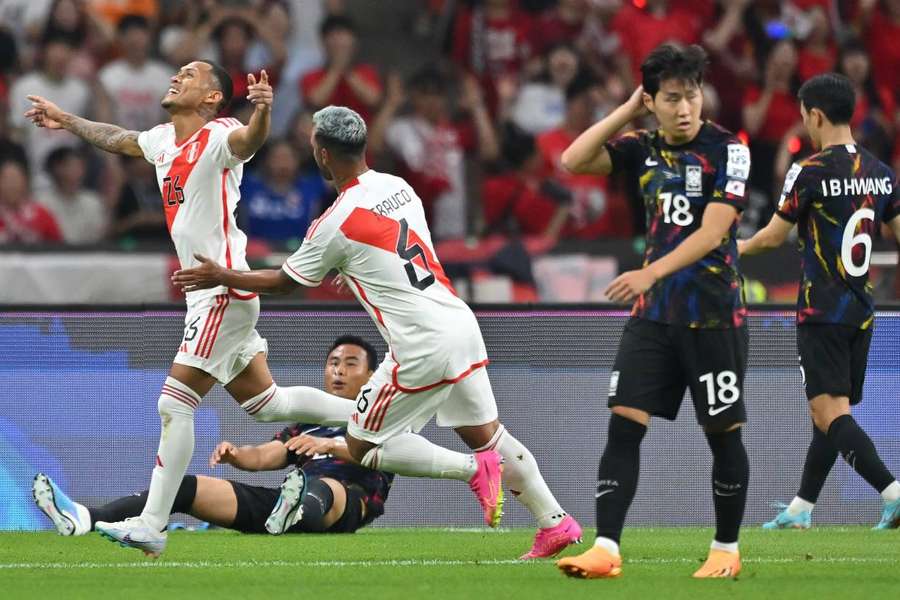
x: 687, y: 328
x: 376, y: 236
x: 327, y: 492
x: 199, y: 163
x: 836, y: 197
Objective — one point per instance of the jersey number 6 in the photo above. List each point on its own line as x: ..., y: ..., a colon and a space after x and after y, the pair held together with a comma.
x: 408, y: 254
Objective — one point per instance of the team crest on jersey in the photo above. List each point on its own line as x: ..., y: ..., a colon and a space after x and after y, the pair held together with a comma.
x: 192, y: 152
x: 693, y: 180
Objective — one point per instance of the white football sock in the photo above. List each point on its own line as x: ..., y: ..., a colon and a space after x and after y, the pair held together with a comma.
x: 299, y: 404
x: 799, y: 505
x: 523, y: 478
x: 412, y: 455
x: 891, y: 493
x: 177, y: 403
x: 607, y: 544
x: 731, y: 547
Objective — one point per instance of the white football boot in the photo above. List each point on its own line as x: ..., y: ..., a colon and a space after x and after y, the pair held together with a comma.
x: 289, y: 508
x: 134, y: 533
x: 69, y: 518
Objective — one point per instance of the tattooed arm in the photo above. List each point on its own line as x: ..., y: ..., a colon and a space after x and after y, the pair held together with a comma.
x: 107, y: 137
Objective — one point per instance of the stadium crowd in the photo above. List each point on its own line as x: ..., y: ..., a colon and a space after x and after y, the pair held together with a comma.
x: 476, y: 117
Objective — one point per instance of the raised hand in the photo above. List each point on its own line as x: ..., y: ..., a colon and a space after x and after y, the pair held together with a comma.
x: 260, y: 93
x: 44, y: 113
x: 203, y: 277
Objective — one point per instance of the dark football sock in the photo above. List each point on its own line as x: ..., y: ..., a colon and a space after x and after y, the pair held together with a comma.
x: 318, y: 501
x: 617, y: 476
x: 131, y: 506
x: 819, y: 459
x: 730, y: 475
x: 859, y: 451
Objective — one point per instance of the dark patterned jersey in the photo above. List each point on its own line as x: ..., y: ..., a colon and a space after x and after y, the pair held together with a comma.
x: 837, y: 198
x: 677, y: 183
x: 375, y: 484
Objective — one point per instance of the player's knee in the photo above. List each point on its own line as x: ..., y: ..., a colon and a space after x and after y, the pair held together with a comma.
x: 728, y: 449
x: 263, y: 407
x: 632, y: 414
x: 176, y: 399
x: 825, y: 409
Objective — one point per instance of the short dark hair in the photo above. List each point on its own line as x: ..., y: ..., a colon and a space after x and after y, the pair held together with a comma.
x: 132, y: 21
x: 580, y: 85
x: 223, y: 84
x: 336, y: 22
x: 371, y: 353
x: 831, y: 93
x: 428, y: 80
x: 667, y: 62
x: 58, y: 156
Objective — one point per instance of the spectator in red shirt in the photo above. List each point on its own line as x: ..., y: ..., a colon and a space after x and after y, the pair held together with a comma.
x: 22, y: 221
x: 564, y: 23
x: 818, y: 53
x: 520, y: 199
x: 771, y: 111
x: 342, y: 81
x: 432, y: 147
x: 595, y: 211
x: 640, y: 30
x: 493, y: 41
x: 879, y: 24
x: 871, y: 123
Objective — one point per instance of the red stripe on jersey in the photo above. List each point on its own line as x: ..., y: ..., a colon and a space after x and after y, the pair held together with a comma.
x: 425, y: 388
x: 294, y: 271
x: 215, y: 332
x: 206, y: 324
x: 382, y: 393
x: 367, y: 227
x: 362, y: 294
x: 225, y: 216
x: 178, y: 175
x: 384, y: 409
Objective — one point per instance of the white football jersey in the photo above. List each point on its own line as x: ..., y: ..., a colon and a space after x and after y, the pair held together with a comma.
x: 199, y: 179
x: 376, y: 236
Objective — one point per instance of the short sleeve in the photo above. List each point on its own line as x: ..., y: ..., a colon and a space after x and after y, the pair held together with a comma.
x: 732, y: 175
x: 626, y: 151
x: 150, y: 142
x: 892, y: 208
x: 321, y: 251
x: 794, y: 200
x: 219, y: 148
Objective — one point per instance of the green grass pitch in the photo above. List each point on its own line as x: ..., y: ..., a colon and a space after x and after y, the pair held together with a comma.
x: 825, y: 562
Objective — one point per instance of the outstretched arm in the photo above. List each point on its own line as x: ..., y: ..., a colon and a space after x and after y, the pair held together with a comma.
x: 210, y: 274
x: 246, y: 140
x: 769, y: 237
x: 111, y: 138
x: 270, y: 456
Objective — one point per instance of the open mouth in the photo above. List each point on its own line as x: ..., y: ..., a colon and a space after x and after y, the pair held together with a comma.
x: 172, y: 92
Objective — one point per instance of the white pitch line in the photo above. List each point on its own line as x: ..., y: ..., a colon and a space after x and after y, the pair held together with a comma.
x: 401, y: 563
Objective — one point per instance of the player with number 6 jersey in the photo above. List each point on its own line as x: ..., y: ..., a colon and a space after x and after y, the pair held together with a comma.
x: 837, y: 198
x: 375, y: 235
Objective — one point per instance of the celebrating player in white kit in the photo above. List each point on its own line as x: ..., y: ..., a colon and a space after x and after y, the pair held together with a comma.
x: 376, y: 236
x: 199, y: 162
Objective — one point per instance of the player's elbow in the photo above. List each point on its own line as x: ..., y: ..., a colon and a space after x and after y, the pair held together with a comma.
x: 570, y: 162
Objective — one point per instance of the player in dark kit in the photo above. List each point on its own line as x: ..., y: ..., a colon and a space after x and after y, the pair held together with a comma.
x: 326, y: 492
x: 836, y: 198
x: 687, y: 326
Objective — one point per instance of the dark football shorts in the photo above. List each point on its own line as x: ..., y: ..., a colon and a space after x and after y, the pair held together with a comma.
x: 657, y: 362
x: 255, y: 504
x: 833, y: 359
